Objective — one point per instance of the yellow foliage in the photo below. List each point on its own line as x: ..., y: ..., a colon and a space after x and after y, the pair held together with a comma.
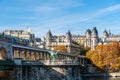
x: 61, y: 48
x: 106, y: 56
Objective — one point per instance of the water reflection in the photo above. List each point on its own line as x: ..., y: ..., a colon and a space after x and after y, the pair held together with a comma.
x: 2, y: 78
x: 101, y: 78
x: 84, y: 78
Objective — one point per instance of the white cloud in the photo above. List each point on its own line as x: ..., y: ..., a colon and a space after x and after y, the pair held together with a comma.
x: 74, y: 18
x: 109, y: 9
x: 112, y: 8
x: 62, y: 21
x: 64, y: 3
x: 59, y: 22
x: 56, y: 5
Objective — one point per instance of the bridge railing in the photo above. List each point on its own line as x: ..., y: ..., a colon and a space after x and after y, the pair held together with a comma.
x: 50, y: 62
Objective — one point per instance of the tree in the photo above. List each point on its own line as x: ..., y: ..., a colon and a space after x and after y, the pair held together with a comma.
x: 106, y: 57
x: 61, y: 48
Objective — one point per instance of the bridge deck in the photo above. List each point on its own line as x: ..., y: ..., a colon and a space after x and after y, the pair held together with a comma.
x: 6, y: 62
x: 6, y: 65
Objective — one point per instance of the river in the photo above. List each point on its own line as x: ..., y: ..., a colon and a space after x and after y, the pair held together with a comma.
x: 85, y: 78
x: 101, y: 78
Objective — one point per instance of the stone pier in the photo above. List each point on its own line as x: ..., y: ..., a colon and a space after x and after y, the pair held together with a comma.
x: 46, y: 73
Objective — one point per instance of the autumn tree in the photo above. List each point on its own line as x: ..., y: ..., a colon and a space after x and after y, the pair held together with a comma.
x: 107, y: 56
x: 61, y: 48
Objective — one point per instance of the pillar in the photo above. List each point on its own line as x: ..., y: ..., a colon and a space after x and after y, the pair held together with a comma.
x: 18, y: 73
x: 24, y: 57
x: 30, y: 55
x: 35, y: 55
x: 13, y: 53
x: 19, y: 53
x: 23, y: 54
x: 16, y: 55
x: 43, y: 56
x: 38, y: 55
x: 26, y: 73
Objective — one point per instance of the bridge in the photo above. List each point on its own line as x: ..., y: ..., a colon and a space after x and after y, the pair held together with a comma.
x: 31, y: 63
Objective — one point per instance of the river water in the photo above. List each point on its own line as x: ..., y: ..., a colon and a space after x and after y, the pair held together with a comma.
x: 101, y: 78
x: 85, y: 78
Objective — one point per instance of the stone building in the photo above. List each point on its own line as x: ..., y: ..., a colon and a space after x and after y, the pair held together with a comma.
x: 20, y: 33
x: 66, y: 40
x: 108, y: 37
x: 92, y: 38
x: 89, y: 39
x: 73, y: 42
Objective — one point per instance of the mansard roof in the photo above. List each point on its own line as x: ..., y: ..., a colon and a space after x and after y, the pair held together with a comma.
x: 88, y: 31
x: 94, y: 31
x: 68, y: 33
x: 105, y: 32
x: 49, y: 33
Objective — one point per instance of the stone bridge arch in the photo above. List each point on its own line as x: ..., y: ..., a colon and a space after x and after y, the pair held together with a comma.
x: 6, y: 50
x: 3, y: 53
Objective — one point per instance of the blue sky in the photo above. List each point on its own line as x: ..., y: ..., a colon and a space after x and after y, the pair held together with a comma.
x: 60, y: 15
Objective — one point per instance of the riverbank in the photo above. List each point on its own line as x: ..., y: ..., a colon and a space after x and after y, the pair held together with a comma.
x: 115, y: 74
x: 101, y: 78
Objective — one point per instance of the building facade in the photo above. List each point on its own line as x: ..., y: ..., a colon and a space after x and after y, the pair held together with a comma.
x: 108, y: 37
x: 20, y: 33
x: 89, y: 39
x: 65, y: 40
x: 73, y: 42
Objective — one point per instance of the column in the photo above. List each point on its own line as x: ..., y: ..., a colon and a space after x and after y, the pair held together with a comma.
x: 18, y: 73
x: 19, y: 53
x: 68, y: 57
x: 23, y: 54
x: 16, y: 53
x: 30, y: 55
x: 47, y: 56
x: 35, y: 55
x: 39, y: 55
x: 13, y: 53
x: 24, y: 58
x: 26, y: 73
x: 43, y: 56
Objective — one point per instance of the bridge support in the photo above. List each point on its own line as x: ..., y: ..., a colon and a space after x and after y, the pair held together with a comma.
x: 47, y: 73
x: 18, y: 73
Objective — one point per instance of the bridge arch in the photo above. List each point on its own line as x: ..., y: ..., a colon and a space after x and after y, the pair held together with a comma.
x: 3, y: 53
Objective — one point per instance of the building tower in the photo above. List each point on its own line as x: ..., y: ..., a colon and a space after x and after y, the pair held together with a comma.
x: 94, y: 38
x: 109, y: 34
x: 68, y: 41
x: 105, y: 35
x: 88, y: 37
x: 28, y: 29
x: 48, y: 39
x: 68, y: 36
